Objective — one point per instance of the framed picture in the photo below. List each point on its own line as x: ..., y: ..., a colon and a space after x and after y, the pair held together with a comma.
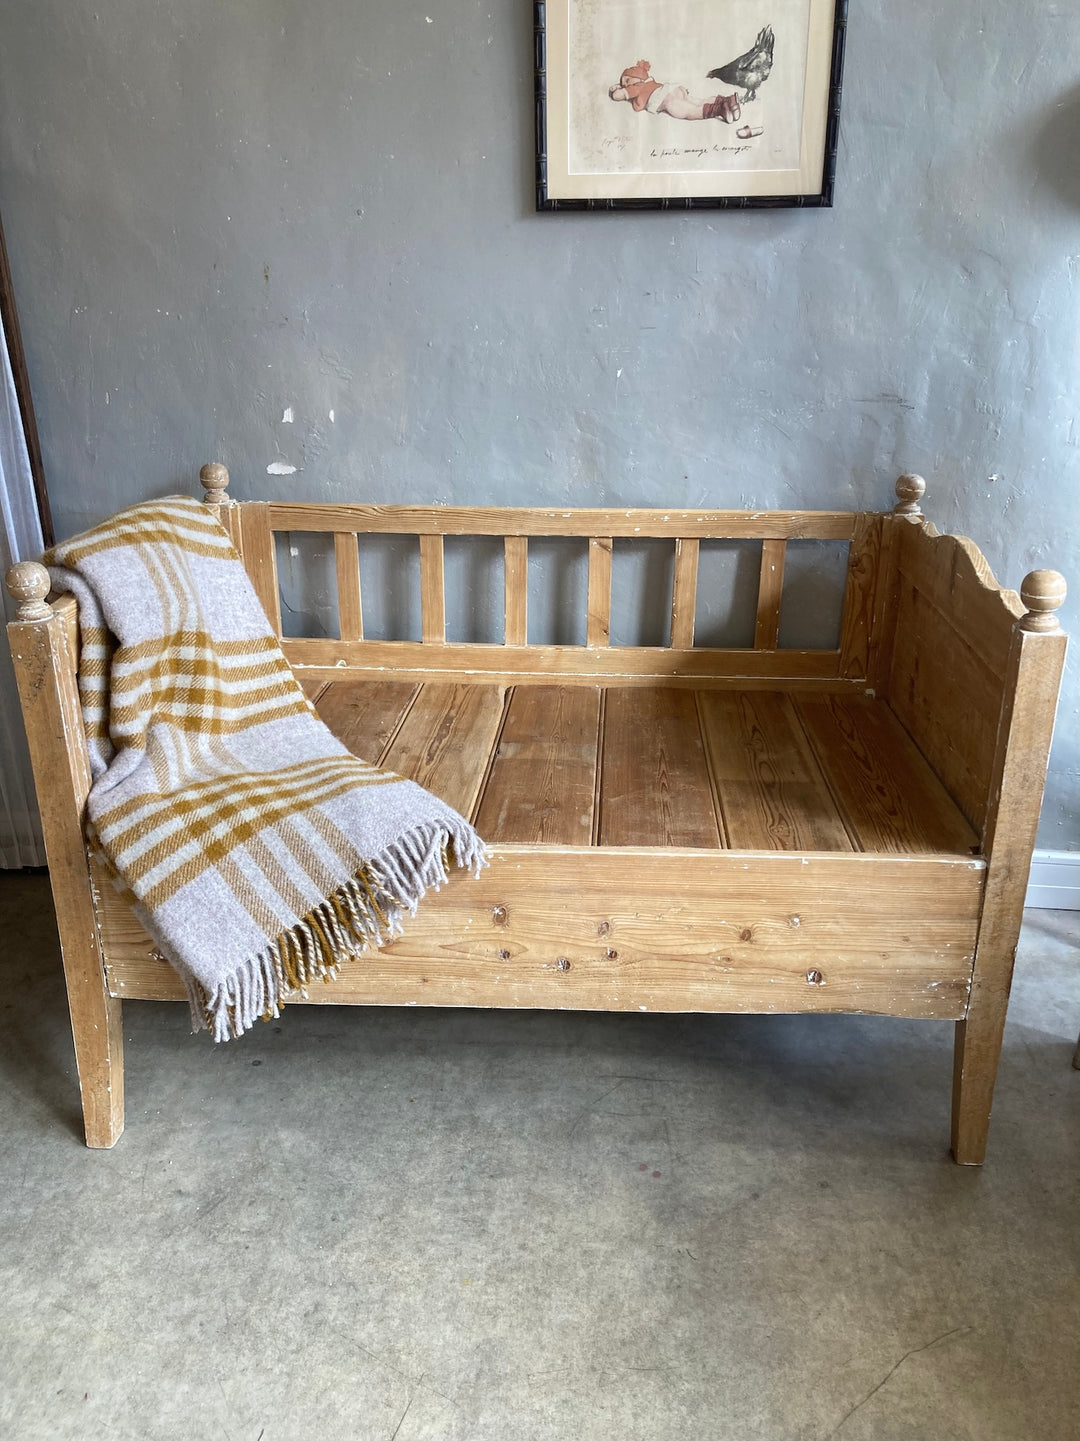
x: 687, y: 104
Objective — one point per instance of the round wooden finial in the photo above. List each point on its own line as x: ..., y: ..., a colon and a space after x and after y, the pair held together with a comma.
x: 215, y: 481
x: 1042, y: 592
x: 910, y: 489
x: 29, y: 583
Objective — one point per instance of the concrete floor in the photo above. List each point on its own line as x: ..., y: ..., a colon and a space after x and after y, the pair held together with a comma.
x: 439, y: 1226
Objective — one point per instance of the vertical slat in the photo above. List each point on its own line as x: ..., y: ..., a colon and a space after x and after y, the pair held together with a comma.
x: 432, y: 594
x: 598, y: 630
x: 886, y: 603
x: 684, y: 594
x: 260, y: 562
x: 516, y: 587
x: 856, y: 627
x: 770, y: 588
x: 229, y: 516
x: 347, y: 561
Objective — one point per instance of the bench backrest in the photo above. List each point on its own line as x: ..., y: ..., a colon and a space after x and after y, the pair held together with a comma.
x: 256, y: 527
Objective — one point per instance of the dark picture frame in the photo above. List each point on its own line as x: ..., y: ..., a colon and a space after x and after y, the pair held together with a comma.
x: 759, y: 131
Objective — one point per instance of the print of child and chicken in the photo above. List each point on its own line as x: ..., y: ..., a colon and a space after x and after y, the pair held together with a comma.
x: 748, y: 73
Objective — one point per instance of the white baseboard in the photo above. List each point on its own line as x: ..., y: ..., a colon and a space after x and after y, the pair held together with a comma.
x: 1054, y: 882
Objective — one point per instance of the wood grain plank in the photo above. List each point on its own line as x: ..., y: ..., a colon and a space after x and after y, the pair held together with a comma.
x: 561, y: 661
x: 432, y: 591
x: 886, y: 598
x: 598, y: 625
x: 1032, y: 679
x: 516, y: 589
x: 518, y: 677
x: 542, y: 782
x: 365, y: 714
x: 654, y: 785
x: 954, y: 577
x: 770, y: 787
x: 684, y: 593
x: 503, y: 521
x: 347, y: 563
x: 445, y: 740
x: 43, y: 653
x: 229, y: 516
x: 770, y: 590
x: 947, y: 699
x: 260, y: 559
x: 313, y: 688
x: 889, y: 796
x: 860, y: 592
x: 631, y: 930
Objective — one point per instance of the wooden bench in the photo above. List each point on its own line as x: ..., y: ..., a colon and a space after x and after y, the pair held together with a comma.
x: 673, y: 827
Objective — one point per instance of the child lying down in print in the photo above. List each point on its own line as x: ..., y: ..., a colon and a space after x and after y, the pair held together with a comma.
x: 644, y: 93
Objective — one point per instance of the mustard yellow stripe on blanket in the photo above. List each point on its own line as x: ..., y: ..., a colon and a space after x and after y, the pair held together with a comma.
x: 197, y: 641
x: 161, y: 845
x: 218, y: 790
x: 192, y: 723
x: 181, y: 527
x: 190, y: 697
x: 209, y: 849
x: 171, y: 667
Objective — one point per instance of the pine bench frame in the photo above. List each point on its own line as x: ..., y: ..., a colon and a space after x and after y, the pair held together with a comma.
x: 926, y: 630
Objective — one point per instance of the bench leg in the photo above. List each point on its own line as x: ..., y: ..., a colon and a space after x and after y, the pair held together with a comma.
x: 44, y: 645
x: 977, y: 1048
x: 99, y: 1044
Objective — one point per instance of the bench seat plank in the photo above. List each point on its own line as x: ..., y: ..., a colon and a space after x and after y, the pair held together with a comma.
x: 446, y: 739
x: 654, y: 784
x: 659, y: 766
x: 771, y: 789
x: 364, y: 716
x: 890, y: 796
x: 543, y: 780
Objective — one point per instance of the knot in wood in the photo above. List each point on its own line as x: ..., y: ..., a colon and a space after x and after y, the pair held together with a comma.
x: 29, y: 584
x: 498, y: 915
x: 815, y: 978
x: 604, y: 928
x: 611, y: 955
x: 746, y: 934
x: 563, y: 964
x: 504, y: 955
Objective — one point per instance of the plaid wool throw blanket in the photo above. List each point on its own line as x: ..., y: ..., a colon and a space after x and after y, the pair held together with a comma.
x: 255, y: 849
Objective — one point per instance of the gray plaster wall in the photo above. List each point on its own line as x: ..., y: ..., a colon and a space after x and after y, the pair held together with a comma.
x: 216, y: 212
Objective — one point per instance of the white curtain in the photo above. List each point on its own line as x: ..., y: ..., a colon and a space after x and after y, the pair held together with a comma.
x: 20, y: 829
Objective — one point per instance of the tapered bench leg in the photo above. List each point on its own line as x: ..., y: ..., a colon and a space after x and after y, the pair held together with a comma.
x: 1032, y: 677
x: 44, y: 649
x: 99, y: 1043
x: 977, y: 1048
